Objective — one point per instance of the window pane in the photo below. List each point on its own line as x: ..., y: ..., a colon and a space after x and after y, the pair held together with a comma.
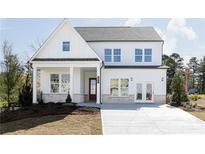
x: 138, y: 55
x: 139, y: 91
x: 138, y: 51
x: 65, y: 83
x: 148, y: 55
x: 149, y: 92
x: 114, y: 87
x: 108, y: 55
x: 148, y: 58
x: 138, y: 58
x: 54, y: 83
x: 108, y: 58
x: 117, y: 58
x: 93, y: 87
x: 117, y: 55
x: 148, y: 51
x: 66, y: 46
x: 124, y: 87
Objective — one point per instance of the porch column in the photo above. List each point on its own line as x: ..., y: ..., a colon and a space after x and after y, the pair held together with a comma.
x: 34, y: 85
x: 98, y: 86
x: 71, y: 82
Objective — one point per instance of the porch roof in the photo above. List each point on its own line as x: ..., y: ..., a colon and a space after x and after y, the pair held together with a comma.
x: 65, y: 59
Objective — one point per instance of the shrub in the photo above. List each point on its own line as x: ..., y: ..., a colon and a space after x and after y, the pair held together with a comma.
x: 25, y: 95
x: 68, y: 99
x: 178, y: 90
x: 169, y: 99
x: 40, y: 98
x: 3, y: 103
x: 195, y: 97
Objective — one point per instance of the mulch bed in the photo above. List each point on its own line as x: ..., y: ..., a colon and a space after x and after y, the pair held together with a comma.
x: 45, y: 110
x: 196, y: 109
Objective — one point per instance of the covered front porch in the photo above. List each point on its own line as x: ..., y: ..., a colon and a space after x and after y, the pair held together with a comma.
x: 55, y: 80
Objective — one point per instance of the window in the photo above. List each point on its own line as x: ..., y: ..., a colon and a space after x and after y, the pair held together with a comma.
x: 138, y: 55
x: 119, y: 87
x: 54, y: 83
x: 65, y: 83
x: 139, y: 91
x: 60, y: 83
x: 108, y: 55
x: 124, y: 87
x: 66, y: 46
x: 117, y: 55
x: 148, y: 55
x: 149, y: 92
x: 114, y: 87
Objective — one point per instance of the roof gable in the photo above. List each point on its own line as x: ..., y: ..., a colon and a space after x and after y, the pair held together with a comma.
x: 52, y: 47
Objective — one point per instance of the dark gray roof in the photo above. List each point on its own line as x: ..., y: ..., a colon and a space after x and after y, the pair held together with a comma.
x: 98, y: 34
x: 65, y: 59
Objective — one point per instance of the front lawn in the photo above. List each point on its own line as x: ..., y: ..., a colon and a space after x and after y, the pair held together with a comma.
x: 197, y: 108
x: 200, y: 115
x: 53, y: 119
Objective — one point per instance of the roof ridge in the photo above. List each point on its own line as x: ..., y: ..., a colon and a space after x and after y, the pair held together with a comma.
x: 115, y: 27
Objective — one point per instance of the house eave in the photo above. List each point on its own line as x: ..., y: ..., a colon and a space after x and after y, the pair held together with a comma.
x: 65, y: 59
x: 134, y: 67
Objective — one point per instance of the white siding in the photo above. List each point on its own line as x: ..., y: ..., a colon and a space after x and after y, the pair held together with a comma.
x: 137, y: 75
x: 78, y: 47
x: 128, y: 51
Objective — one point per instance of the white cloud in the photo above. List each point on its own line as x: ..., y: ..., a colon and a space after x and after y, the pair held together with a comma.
x: 174, y: 29
x: 132, y: 22
x: 179, y: 27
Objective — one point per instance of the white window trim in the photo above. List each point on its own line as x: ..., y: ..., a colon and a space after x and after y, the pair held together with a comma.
x: 60, y: 77
x: 147, y: 55
x: 119, y: 87
x: 117, y: 55
x: 142, y: 56
x: 112, y: 55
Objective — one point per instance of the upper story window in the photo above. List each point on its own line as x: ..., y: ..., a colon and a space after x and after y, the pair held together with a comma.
x: 147, y: 55
x: 117, y: 55
x: 66, y: 46
x: 138, y: 55
x: 108, y: 55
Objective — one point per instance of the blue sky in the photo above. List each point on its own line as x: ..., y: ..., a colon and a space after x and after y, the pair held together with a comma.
x: 184, y: 36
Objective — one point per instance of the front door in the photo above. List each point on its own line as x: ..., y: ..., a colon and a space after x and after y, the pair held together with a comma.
x: 144, y: 92
x: 92, y: 89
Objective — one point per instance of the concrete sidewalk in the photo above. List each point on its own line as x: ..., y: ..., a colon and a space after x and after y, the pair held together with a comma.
x: 148, y: 119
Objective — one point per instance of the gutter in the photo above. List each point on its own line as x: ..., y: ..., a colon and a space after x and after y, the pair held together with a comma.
x: 100, y: 81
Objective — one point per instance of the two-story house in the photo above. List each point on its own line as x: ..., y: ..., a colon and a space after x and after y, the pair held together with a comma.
x: 100, y: 64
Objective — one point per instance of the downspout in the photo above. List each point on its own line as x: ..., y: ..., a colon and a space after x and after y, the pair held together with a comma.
x: 100, y: 80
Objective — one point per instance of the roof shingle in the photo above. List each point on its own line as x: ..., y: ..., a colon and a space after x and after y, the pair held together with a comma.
x: 98, y: 34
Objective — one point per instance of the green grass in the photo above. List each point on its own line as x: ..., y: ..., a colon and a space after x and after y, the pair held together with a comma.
x: 202, y: 95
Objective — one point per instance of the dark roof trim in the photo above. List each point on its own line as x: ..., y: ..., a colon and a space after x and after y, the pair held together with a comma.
x: 134, y: 67
x: 66, y: 59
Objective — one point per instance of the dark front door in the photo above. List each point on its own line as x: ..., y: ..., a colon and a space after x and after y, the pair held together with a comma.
x: 92, y: 89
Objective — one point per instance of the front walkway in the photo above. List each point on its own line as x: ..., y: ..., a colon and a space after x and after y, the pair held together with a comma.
x: 148, y: 119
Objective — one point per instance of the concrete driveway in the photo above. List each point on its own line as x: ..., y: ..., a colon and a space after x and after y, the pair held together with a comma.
x: 148, y: 119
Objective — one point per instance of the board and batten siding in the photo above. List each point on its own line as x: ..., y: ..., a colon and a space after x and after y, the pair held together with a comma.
x: 156, y: 76
x: 128, y: 51
x: 78, y: 47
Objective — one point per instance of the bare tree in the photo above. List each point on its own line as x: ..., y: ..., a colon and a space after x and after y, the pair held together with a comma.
x: 36, y: 44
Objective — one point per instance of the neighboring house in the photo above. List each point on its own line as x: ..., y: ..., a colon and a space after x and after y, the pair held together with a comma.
x: 101, y: 64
